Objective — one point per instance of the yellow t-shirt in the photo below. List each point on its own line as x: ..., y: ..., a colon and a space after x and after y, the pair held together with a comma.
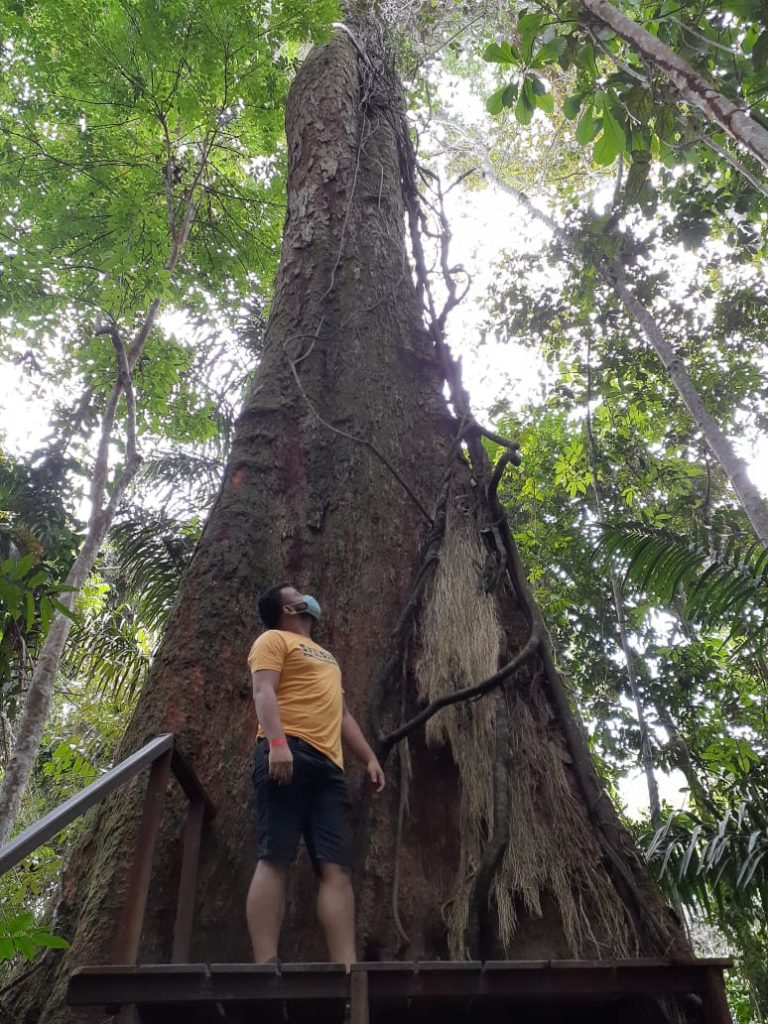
x: 309, y: 693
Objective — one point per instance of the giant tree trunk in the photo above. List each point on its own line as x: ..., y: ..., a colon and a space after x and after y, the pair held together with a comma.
x: 338, y: 460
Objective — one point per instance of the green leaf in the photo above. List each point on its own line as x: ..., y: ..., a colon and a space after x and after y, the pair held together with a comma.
x: 66, y: 612
x: 7, y: 948
x: 504, y: 53
x: 528, y: 25
x: 572, y: 106
x: 551, y: 51
x: 509, y: 95
x: 525, y: 106
x: 20, y: 923
x: 546, y: 102
x: 611, y: 142
x: 666, y: 123
x: 26, y: 946
x: 638, y: 102
x: 760, y: 51
x: 48, y: 940
x: 495, y: 103
x: 588, y: 127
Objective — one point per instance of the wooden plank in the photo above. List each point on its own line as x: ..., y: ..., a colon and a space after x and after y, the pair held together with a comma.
x: 129, y: 929
x: 204, y: 987
x: 389, y: 984
x: 716, y: 1009
x: 448, y: 965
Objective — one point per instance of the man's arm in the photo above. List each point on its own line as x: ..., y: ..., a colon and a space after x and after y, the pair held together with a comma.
x: 352, y: 735
x: 268, y: 712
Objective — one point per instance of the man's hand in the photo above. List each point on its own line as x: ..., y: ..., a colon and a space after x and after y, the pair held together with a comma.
x: 375, y: 774
x: 281, y: 764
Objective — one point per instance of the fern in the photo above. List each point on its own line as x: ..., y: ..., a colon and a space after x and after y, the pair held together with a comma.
x: 718, y: 866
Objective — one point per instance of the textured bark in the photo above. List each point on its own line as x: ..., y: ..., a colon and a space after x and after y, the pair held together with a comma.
x: 692, y: 88
x: 349, y: 389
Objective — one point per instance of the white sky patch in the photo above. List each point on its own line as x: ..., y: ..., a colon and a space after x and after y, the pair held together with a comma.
x: 673, y: 790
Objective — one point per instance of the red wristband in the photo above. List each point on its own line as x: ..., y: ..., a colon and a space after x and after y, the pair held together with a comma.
x: 281, y: 742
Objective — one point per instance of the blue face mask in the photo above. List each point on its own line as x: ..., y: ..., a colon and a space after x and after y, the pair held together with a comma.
x: 311, y: 606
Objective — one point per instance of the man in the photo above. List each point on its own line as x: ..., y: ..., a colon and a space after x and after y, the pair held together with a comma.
x: 299, y: 774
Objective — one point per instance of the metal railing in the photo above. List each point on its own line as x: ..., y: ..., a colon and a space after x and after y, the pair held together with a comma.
x: 163, y: 758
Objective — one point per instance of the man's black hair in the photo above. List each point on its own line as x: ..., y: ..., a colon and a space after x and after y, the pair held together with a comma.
x: 271, y: 605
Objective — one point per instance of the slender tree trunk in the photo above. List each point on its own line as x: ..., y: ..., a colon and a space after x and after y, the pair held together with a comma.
x: 734, y: 468
x: 39, y: 695
x: 347, y: 475
x: 692, y: 88
x: 646, y: 748
x: 720, y: 446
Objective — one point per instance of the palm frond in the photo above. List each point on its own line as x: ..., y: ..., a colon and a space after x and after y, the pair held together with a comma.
x: 722, y: 579
x: 142, y: 565
x: 179, y: 472
x: 144, y: 559
x: 719, y: 867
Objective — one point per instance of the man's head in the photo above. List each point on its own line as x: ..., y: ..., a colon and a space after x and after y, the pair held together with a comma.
x: 284, y: 607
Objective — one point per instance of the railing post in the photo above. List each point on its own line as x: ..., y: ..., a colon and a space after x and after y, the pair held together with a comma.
x: 141, y: 869
x: 182, y: 929
x: 716, y: 1009
x: 359, y: 1012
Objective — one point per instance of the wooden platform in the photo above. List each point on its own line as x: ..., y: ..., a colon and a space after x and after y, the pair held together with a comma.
x: 540, y: 991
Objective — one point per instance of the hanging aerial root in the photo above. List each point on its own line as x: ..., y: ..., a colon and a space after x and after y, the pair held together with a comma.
x: 404, y: 781
x: 481, y: 932
x: 552, y: 847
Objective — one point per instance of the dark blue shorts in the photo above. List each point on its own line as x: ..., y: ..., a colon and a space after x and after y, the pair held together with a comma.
x: 314, y: 804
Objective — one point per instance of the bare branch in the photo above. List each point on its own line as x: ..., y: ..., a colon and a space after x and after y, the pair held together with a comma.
x: 467, y: 693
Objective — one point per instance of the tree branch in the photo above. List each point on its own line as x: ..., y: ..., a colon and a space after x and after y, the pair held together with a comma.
x: 467, y: 693
x: 694, y: 89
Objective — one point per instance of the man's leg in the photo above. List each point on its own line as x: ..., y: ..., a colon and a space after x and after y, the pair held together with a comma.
x: 336, y: 912
x: 265, y: 908
x: 280, y: 811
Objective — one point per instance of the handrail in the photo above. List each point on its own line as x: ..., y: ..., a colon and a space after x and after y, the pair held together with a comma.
x: 57, y: 819
x: 162, y: 756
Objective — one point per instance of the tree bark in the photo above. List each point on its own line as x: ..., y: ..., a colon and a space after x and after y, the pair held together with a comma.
x: 344, y: 440
x: 692, y: 88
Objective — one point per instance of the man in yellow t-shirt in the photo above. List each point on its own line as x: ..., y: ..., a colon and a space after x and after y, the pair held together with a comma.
x: 299, y: 773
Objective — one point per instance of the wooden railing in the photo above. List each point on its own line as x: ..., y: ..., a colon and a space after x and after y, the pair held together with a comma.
x: 163, y: 758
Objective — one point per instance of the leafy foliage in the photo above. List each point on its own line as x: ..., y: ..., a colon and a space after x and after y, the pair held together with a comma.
x: 622, y: 106
x: 123, y: 611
